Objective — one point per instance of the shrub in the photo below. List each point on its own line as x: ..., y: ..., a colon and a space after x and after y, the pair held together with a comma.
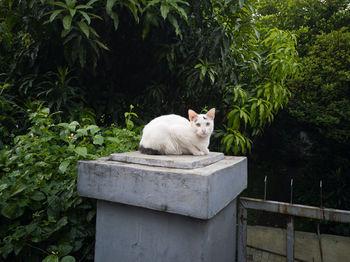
x: 41, y: 213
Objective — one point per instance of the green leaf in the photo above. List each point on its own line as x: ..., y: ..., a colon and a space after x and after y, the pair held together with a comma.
x: 93, y: 129
x: 83, y: 7
x: 82, y: 151
x: 98, y: 140
x: 63, y: 166
x: 65, y: 33
x: 38, y: 196
x: 91, y: 2
x: 113, y: 139
x: 31, y: 227
x: 61, y: 4
x: 67, y: 21
x: 153, y: 2
x: 64, y: 125
x: 64, y: 249
x: 61, y: 223
x: 95, y: 16
x: 90, y: 215
x: 102, y: 45
x: 175, y: 24
x: 256, y: 32
x: 72, y: 11
x: 203, y: 71
x: 133, y: 9
x: 68, y: 259
x: 109, y: 6
x: 55, y: 14
x: 86, y: 16
x: 236, y: 123
x: 18, y: 188
x: 84, y: 27
x: 182, y: 12
x: 82, y: 132
x: 212, y: 77
x: 115, y: 19
x: 261, y: 113
x: 51, y: 258
x: 229, y: 143
x: 129, y: 124
x: 12, y: 211
x: 73, y: 125
x: 3, y: 186
x: 164, y: 10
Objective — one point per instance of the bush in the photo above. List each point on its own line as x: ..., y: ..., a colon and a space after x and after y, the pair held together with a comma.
x: 41, y: 213
x: 322, y: 91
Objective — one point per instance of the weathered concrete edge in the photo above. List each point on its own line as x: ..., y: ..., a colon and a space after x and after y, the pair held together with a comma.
x: 200, y: 195
x: 224, y: 191
x: 204, y: 197
x: 166, y: 163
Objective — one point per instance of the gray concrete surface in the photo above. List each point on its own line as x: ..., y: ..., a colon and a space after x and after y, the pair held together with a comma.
x: 198, y: 192
x: 172, y: 161
x: 151, y: 212
x: 133, y: 234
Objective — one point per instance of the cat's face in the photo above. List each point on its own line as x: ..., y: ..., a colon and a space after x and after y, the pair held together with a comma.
x: 202, y: 125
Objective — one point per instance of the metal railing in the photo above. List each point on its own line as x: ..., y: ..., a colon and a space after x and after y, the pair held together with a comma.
x: 290, y: 209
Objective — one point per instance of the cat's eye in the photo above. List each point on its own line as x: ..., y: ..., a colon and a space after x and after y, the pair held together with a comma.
x: 198, y: 124
x: 208, y: 124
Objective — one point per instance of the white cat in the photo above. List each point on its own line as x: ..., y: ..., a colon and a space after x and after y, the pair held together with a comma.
x: 175, y: 135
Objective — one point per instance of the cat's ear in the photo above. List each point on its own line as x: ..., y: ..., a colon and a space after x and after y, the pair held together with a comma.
x: 211, y: 113
x: 192, y: 115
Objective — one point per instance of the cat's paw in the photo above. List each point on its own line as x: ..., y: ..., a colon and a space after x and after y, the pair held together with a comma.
x: 199, y: 153
x: 206, y: 151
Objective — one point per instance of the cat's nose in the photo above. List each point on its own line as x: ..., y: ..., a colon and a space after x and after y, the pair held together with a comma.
x: 203, y: 132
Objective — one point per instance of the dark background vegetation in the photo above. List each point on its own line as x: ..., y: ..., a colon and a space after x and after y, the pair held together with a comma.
x: 278, y: 73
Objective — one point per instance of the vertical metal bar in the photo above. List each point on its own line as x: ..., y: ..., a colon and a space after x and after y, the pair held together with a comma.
x: 242, y: 233
x: 265, y: 182
x: 321, y: 197
x: 319, y: 241
x: 291, y: 191
x: 290, y: 230
x: 290, y: 239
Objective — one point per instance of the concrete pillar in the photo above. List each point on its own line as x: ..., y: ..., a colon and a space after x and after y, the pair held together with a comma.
x: 164, y: 208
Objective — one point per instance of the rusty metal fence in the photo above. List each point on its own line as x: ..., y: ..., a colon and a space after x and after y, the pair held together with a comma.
x: 293, y: 210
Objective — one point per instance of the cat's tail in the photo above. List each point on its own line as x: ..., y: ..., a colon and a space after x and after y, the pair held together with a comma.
x: 148, y: 151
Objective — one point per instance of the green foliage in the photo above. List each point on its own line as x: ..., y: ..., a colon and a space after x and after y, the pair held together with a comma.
x: 41, y: 214
x: 305, y: 18
x: 10, y: 112
x: 57, y: 89
x: 202, y: 47
x: 322, y: 98
x: 310, y: 140
x: 128, y: 118
x: 255, y: 100
x: 49, y: 51
x: 80, y: 38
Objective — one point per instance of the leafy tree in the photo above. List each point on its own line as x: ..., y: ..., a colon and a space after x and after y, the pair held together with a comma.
x: 309, y: 141
x: 322, y: 90
x: 307, y: 19
x: 62, y: 42
x: 261, y: 90
x: 322, y: 108
x: 173, y: 54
